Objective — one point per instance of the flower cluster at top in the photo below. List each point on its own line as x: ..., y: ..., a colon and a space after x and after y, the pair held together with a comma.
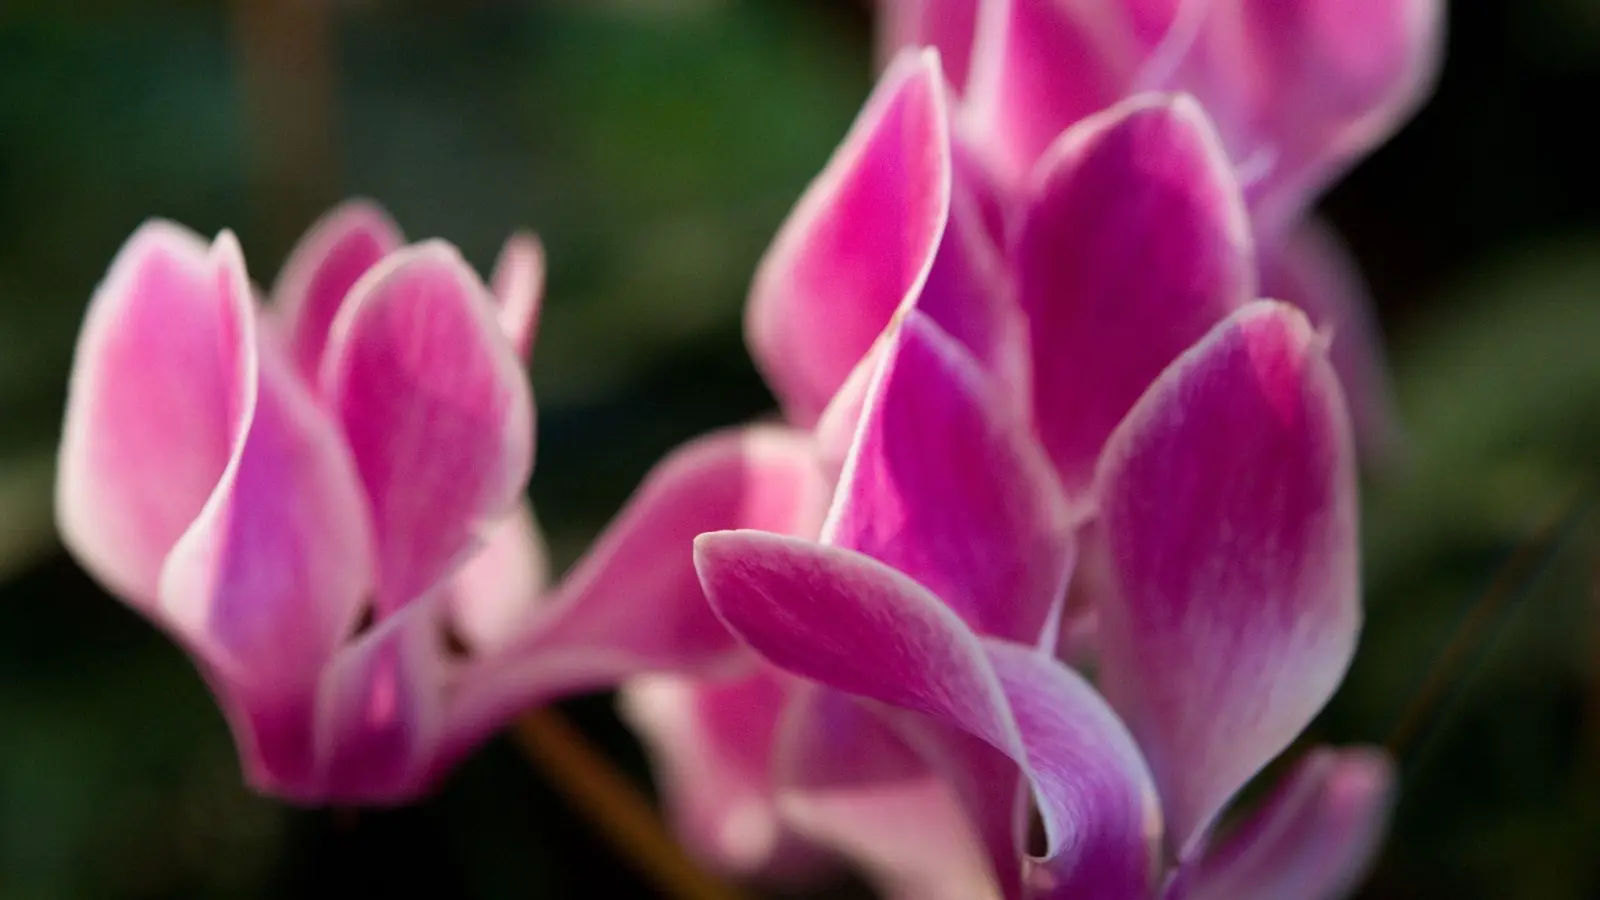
x: 1060, y: 523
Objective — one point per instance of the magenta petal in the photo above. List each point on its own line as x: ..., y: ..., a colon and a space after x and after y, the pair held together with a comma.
x: 946, y: 484
x: 321, y: 270
x: 1312, y: 270
x: 437, y: 411
x: 1133, y: 243
x: 496, y: 591
x: 518, y: 285
x: 1313, y: 839
x: 1230, y: 601
x: 860, y: 240
x: 161, y: 386
x: 944, y: 24
x: 850, y: 622
x: 713, y: 745
x: 1038, y: 66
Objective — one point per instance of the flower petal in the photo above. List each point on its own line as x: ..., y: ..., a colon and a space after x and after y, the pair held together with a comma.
x: 1039, y: 66
x: 712, y: 741
x: 160, y: 386
x: 861, y: 239
x: 518, y: 285
x: 944, y: 24
x: 980, y: 521
x: 1226, y: 552
x: 1313, y: 839
x: 850, y: 622
x: 1133, y: 243
x: 496, y: 591
x: 436, y: 409
x: 322, y: 268
x: 1312, y: 270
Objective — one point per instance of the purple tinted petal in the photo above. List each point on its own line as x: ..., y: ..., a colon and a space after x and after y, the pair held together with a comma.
x: 946, y: 484
x: 1133, y: 243
x: 713, y: 747
x: 943, y: 24
x: 1312, y: 840
x: 322, y: 268
x: 518, y: 285
x: 1312, y: 270
x: 1038, y: 66
x: 860, y: 240
x: 435, y: 407
x: 1227, y: 551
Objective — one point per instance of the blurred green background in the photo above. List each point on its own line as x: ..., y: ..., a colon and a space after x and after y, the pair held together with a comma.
x: 655, y: 145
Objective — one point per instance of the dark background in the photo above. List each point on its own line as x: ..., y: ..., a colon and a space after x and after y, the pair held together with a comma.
x: 656, y: 145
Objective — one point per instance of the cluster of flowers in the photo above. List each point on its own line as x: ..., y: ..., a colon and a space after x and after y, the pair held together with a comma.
x: 1058, y: 532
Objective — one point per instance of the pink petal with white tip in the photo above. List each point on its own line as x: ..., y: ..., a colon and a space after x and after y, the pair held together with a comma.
x: 1133, y: 242
x: 1226, y: 555
x: 500, y: 587
x: 437, y: 410
x: 943, y: 24
x: 322, y: 268
x: 518, y: 285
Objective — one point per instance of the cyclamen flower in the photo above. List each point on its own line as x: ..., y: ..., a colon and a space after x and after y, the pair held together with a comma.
x: 1219, y: 545
x: 1299, y: 90
x: 320, y: 500
x: 1131, y: 244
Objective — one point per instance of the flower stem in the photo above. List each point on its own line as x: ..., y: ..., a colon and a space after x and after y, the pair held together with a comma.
x: 615, y: 807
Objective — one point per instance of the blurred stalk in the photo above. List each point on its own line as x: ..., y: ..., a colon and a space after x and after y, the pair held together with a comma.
x: 616, y: 807
x: 284, y: 50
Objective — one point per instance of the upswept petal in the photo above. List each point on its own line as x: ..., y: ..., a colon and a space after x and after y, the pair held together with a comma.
x: 713, y: 743
x: 322, y: 268
x: 1226, y: 552
x: 161, y: 385
x: 854, y: 624
x: 436, y: 409
x: 518, y: 286
x: 946, y: 484
x: 500, y: 587
x: 1310, y: 268
x: 943, y: 24
x: 860, y: 240
x: 1037, y: 67
x: 1312, y: 840
x: 1133, y: 241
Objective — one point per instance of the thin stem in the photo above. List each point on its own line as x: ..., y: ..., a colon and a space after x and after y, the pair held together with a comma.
x: 615, y: 807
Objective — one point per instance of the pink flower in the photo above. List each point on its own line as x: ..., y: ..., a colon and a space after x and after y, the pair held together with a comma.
x: 1218, y: 545
x: 320, y: 500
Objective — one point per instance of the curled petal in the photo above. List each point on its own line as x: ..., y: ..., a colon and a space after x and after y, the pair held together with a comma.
x: 1226, y: 558
x: 860, y: 240
x: 946, y: 484
x: 322, y: 268
x: 1312, y: 840
x: 436, y: 409
x: 713, y: 745
x: 1133, y: 242
x: 161, y: 385
x: 518, y: 285
x: 1311, y: 269
x: 850, y: 622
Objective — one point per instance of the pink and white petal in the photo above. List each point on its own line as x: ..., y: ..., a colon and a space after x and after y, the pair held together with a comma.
x: 1038, y: 66
x: 848, y: 782
x: 946, y: 25
x: 861, y: 239
x: 1227, y: 547
x: 712, y: 742
x: 381, y: 713
x: 518, y: 285
x: 437, y: 410
x: 836, y: 428
x: 495, y: 592
x: 981, y: 523
x: 161, y: 384
x: 1312, y: 269
x: 322, y: 268
x: 1314, y: 839
x: 269, y: 578
x: 1133, y: 242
